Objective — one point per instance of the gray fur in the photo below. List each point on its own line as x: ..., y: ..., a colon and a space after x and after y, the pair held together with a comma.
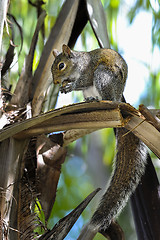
x: 103, y: 72
x: 128, y: 170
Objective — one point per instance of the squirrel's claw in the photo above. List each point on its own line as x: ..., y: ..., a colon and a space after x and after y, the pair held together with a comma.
x: 91, y: 99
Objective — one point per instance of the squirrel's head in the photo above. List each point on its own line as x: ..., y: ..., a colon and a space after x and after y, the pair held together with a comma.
x: 63, y: 65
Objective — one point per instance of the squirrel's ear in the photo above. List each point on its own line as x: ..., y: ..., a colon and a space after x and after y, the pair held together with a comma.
x: 66, y: 50
x: 55, y: 53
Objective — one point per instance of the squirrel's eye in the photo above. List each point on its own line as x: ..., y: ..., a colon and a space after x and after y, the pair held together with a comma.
x: 61, y: 66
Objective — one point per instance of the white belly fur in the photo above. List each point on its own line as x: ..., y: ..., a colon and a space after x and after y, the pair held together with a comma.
x: 91, y: 92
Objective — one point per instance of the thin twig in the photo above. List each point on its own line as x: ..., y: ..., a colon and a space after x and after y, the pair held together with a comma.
x: 134, y: 128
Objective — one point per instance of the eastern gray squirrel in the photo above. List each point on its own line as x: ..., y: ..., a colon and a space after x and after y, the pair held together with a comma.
x: 102, y: 73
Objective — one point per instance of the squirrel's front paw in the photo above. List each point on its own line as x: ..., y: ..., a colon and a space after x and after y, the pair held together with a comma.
x: 92, y: 99
x: 67, y: 88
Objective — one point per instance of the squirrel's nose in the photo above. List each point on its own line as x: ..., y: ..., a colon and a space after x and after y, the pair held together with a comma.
x: 55, y: 81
